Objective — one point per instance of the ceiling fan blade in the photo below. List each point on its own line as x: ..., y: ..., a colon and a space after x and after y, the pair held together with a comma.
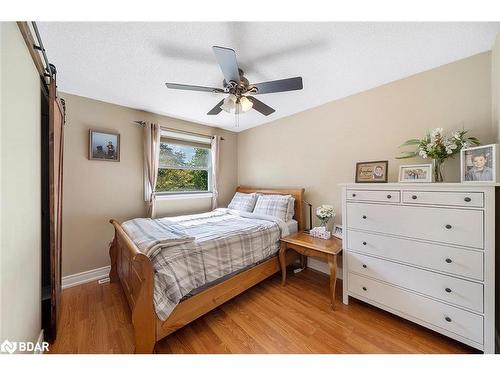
x: 280, y: 85
x: 226, y: 57
x: 217, y: 109
x: 261, y: 107
x: 179, y: 86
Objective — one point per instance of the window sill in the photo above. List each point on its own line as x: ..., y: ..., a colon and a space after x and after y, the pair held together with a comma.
x: 174, y: 196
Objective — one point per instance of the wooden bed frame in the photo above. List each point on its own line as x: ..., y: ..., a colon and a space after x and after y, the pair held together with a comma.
x: 135, y: 272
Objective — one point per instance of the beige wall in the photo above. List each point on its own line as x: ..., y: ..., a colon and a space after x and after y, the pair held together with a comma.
x: 187, y: 205
x: 315, y: 149
x: 20, y: 258
x: 95, y: 191
x: 318, y: 148
x: 495, y: 88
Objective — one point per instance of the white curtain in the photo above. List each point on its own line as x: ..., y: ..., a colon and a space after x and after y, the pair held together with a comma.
x: 215, y: 146
x: 151, y: 163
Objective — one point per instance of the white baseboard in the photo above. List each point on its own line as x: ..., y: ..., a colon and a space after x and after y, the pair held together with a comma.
x: 322, y: 266
x: 85, y: 277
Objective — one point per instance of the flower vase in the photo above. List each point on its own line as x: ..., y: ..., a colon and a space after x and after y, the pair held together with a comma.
x: 437, y: 170
x: 324, y: 223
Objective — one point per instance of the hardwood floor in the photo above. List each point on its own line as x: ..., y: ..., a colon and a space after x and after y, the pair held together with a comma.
x: 268, y: 318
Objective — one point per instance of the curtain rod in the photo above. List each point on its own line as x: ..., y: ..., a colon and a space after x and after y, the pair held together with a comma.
x: 141, y: 123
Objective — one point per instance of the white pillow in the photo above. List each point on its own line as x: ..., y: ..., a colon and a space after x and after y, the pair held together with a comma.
x: 243, y: 202
x: 272, y: 205
x: 290, y: 211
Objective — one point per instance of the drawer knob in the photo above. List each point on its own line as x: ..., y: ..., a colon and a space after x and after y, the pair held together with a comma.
x: 364, y: 216
x: 448, y: 319
x: 353, y: 194
x: 364, y: 288
x: 448, y: 226
x: 413, y: 197
x: 389, y: 196
x: 448, y: 260
x: 467, y: 199
x: 364, y: 243
x: 448, y: 290
x: 364, y: 265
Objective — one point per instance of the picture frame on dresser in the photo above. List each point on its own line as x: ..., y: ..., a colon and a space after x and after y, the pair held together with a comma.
x: 415, y: 173
x: 479, y: 164
x: 372, y: 171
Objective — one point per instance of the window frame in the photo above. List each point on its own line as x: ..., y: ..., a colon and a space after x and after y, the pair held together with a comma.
x: 170, y: 137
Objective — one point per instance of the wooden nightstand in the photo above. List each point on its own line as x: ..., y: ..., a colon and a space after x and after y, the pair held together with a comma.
x: 307, y: 245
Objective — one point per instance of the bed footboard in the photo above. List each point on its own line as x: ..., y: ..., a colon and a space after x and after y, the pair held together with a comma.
x: 135, y: 273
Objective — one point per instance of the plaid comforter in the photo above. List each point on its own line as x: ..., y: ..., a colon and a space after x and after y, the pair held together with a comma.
x: 222, y: 242
x: 150, y: 236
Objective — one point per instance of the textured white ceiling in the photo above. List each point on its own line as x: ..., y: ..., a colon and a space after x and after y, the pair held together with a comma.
x: 128, y: 63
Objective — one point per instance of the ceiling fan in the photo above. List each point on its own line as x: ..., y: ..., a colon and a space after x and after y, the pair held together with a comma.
x: 240, y: 91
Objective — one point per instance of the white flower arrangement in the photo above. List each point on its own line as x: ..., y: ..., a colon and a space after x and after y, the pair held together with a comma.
x: 436, y: 145
x: 324, y: 213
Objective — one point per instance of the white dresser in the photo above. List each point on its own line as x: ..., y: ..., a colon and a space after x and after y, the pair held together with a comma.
x: 425, y: 252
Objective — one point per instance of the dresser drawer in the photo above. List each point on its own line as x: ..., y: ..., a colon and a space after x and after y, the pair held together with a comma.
x: 446, y: 225
x: 374, y: 195
x: 460, y: 262
x: 444, y: 198
x: 437, y: 314
x: 449, y: 289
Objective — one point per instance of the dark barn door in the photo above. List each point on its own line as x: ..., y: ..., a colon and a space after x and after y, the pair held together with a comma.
x: 53, y: 195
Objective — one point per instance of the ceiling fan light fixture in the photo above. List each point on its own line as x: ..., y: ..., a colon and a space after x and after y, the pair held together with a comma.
x: 229, y: 104
x: 246, y: 104
x: 233, y: 104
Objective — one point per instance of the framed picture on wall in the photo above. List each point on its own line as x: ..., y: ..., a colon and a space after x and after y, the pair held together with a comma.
x: 479, y: 164
x: 415, y: 173
x: 104, y: 145
x: 372, y: 171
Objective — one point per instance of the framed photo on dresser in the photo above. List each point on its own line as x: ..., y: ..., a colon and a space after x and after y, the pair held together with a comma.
x: 415, y: 173
x: 372, y: 171
x: 479, y: 164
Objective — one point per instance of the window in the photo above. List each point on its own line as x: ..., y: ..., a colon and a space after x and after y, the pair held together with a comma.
x: 185, y: 167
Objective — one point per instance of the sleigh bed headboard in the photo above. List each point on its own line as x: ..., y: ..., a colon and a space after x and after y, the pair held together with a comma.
x: 298, y: 194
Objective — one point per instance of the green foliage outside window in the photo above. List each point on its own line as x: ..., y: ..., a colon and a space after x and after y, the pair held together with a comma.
x: 183, y: 168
